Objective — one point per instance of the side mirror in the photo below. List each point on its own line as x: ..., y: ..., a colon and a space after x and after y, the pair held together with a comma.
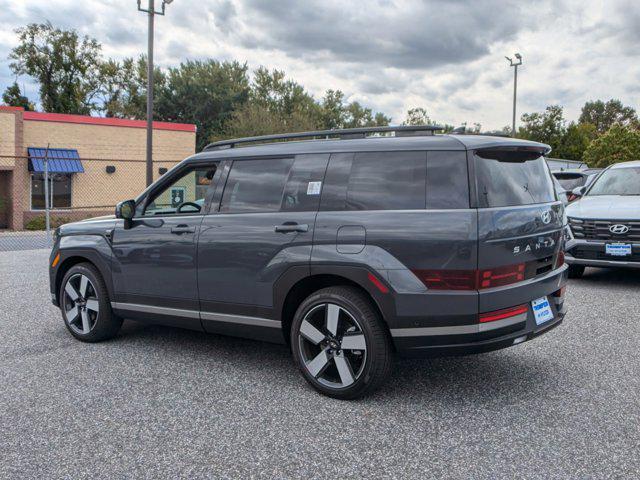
x: 579, y: 191
x: 126, y: 210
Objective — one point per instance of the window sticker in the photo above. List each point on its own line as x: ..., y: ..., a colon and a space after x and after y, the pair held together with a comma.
x: 314, y: 188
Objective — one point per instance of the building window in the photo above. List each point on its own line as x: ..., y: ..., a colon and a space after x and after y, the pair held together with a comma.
x: 59, y: 191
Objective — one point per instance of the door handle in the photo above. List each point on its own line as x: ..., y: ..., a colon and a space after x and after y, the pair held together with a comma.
x: 180, y: 229
x: 288, y: 227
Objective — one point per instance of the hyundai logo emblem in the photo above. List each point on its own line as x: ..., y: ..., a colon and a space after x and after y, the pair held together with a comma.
x: 546, y: 217
x: 618, y: 229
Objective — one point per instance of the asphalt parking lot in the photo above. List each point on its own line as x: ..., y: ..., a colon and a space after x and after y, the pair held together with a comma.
x: 159, y: 402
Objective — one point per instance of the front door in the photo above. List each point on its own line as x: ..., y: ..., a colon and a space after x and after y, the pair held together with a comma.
x: 264, y: 226
x: 154, y: 257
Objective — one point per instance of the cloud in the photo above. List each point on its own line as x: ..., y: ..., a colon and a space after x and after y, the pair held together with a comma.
x: 401, y: 34
x: 390, y: 55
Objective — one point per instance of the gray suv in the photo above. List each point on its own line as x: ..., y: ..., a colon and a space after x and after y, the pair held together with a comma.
x: 351, y: 246
x: 605, y: 222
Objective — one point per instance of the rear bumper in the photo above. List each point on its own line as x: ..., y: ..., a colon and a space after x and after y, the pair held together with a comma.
x: 432, y: 346
x: 591, y: 254
x: 442, y: 335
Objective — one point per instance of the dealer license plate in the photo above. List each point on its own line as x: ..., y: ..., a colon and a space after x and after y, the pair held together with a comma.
x: 618, y: 249
x: 542, y: 310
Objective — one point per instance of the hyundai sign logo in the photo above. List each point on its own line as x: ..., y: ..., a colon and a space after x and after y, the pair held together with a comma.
x: 618, y: 229
x: 546, y: 217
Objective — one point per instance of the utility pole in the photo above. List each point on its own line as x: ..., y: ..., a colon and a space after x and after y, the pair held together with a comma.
x: 47, y: 203
x: 514, y: 64
x: 151, y: 12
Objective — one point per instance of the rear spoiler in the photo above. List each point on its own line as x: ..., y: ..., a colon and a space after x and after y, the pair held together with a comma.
x: 514, y: 153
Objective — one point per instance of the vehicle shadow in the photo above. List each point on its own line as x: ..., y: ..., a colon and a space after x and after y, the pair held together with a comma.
x: 507, y: 375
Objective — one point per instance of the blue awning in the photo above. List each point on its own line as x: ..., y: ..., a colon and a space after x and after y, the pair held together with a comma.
x: 60, y: 160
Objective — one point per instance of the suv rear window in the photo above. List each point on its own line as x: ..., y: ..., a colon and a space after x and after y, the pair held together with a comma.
x: 508, y: 178
x: 569, y: 182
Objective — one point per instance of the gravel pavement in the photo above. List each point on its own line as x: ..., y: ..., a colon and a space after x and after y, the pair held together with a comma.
x: 165, y: 403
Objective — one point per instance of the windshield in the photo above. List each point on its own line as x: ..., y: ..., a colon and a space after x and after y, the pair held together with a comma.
x: 618, y: 181
x: 507, y: 178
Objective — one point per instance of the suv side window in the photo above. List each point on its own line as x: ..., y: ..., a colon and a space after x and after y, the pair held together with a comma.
x: 255, y: 185
x: 447, y: 180
x: 376, y: 181
x: 185, y: 195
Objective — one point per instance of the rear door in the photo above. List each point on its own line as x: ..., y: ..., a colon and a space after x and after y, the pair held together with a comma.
x: 263, y: 226
x: 519, y: 223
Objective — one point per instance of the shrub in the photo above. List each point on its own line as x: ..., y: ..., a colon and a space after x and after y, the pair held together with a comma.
x: 40, y: 223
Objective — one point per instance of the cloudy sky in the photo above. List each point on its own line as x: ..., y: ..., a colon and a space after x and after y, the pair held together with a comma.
x: 447, y: 56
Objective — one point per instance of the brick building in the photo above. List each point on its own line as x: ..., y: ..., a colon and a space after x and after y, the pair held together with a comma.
x: 93, y: 162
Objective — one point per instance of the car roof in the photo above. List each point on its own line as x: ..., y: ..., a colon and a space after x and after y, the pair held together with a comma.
x: 633, y: 163
x: 371, y: 144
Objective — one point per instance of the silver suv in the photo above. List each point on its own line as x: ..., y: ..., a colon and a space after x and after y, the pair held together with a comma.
x: 605, y: 222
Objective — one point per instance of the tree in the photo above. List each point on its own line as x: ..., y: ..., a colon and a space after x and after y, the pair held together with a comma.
x: 205, y: 93
x: 13, y: 97
x: 575, y: 141
x: 273, y: 105
x: 418, y: 116
x: 123, y: 92
x: 618, y: 144
x: 66, y: 66
x: 603, y: 115
x: 335, y: 113
x: 332, y: 110
x: 359, y: 116
x: 546, y: 127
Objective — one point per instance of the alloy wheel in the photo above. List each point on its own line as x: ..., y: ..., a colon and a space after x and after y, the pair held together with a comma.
x: 80, y: 304
x: 332, y: 345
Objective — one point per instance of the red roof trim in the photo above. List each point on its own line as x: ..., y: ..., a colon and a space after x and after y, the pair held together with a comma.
x: 111, y: 122
x: 11, y: 109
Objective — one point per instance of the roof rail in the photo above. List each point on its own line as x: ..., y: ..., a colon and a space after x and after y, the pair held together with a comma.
x: 342, y: 134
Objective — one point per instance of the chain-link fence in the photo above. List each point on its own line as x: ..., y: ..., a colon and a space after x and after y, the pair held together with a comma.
x: 48, y: 187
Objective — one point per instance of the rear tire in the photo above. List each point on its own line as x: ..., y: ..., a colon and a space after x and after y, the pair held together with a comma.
x: 340, y: 344
x: 85, y: 305
x: 576, y: 271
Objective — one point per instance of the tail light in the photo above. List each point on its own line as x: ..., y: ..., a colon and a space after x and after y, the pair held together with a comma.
x: 471, y: 279
x: 448, y: 279
x: 500, y: 276
x: 560, y: 259
x: 502, y: 314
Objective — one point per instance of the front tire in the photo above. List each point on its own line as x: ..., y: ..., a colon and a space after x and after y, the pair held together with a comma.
x: 576, y: 271
x: 340, y: 343
x: 85, y: 305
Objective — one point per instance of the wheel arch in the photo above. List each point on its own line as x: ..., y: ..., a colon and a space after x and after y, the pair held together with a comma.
x: 296, y: 290
x: 76, y: 258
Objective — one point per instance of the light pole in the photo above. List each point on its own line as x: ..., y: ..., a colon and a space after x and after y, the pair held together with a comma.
x: 151, y: 12
x: 514, y: 64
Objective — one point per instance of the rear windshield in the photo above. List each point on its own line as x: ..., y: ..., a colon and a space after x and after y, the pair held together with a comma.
x: 571, y: 182
x: 617, y: 181
x: 508, y: 178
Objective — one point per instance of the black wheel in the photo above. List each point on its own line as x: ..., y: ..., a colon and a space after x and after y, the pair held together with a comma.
x: 340, y: 344
x: 85, y: 305
x: 576, y: 271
